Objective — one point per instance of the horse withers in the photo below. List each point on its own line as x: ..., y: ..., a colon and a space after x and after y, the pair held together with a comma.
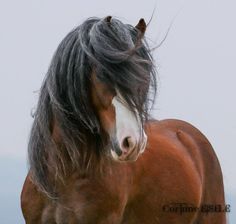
x: 96, y: 157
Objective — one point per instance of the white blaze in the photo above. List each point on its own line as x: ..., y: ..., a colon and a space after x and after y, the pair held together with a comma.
x: 127, y: 125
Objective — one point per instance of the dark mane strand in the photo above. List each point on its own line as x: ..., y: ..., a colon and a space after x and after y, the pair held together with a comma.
x: 121, y: 58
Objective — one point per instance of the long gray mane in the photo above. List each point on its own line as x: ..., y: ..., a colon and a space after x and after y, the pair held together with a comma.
x: 120, y: 57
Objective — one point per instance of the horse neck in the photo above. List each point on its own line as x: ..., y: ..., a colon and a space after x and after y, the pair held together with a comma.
x: 90, y: 160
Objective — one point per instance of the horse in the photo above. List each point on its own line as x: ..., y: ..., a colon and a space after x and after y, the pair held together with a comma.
x: 96, y: 156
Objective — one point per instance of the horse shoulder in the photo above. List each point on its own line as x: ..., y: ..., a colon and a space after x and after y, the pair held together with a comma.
x: 196, y: 144
x: 208, y: 167
x: 169, y: 171
x: 187, y: 140
x: 32, y: 201
x: 179, y: 165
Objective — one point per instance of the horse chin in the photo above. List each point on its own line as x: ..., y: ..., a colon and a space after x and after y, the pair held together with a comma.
x: 132, y: 157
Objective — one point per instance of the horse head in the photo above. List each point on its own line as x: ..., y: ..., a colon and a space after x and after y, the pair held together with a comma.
x: 95, y: 96
x: 121, y: 110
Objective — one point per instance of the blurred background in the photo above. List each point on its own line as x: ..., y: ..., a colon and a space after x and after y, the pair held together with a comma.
x: 196, y: 73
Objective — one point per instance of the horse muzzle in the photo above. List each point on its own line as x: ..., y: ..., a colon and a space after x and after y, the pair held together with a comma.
x: 128, y: 149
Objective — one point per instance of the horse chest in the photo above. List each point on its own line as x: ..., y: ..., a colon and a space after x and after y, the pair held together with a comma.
x: 56, y: 214
x: 84, y: 204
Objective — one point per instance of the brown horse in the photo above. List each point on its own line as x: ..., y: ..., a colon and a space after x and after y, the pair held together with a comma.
x: 96, y: 157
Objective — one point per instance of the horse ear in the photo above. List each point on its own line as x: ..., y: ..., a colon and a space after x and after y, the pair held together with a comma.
x: 141, y: 26
x: 108, y: 19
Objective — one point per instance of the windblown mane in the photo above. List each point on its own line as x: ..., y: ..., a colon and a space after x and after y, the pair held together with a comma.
x: 120, y: 57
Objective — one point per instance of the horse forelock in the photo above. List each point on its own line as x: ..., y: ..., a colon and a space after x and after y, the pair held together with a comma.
x: 117, y: 55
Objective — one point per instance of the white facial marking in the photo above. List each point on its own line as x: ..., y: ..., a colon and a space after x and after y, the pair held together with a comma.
x: 127, y: 125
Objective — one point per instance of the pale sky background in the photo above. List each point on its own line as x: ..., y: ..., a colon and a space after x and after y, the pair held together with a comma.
x: 196, y: 64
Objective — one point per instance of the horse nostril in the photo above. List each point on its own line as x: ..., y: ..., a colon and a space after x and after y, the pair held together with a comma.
x: 128, y: 143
